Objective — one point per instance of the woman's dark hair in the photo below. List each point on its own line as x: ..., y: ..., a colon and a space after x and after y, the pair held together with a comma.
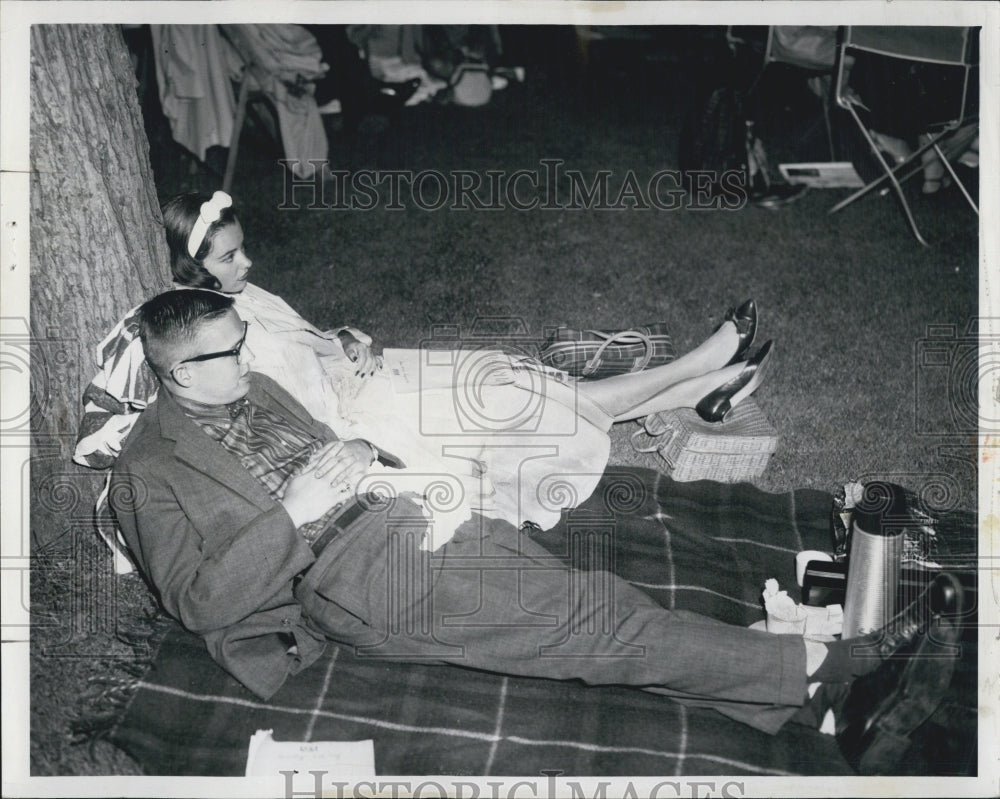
x: 179, y: 215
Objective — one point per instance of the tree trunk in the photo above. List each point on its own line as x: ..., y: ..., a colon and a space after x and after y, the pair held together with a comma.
x: 97, y: 244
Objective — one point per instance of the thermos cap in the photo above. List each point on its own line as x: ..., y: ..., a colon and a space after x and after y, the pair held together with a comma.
x: 881, y: 510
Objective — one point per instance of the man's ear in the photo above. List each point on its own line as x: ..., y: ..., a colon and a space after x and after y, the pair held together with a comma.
x: 183, y: 375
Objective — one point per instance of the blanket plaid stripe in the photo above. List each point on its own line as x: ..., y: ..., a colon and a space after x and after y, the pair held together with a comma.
x: 705, y: 547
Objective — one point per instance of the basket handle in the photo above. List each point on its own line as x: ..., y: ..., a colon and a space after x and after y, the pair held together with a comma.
x: 659, y: 444
x: 636, y: 447
x: 621, y: 337
x: 661, y: 449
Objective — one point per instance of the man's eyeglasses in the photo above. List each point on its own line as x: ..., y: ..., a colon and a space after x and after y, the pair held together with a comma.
x: 211, y: 356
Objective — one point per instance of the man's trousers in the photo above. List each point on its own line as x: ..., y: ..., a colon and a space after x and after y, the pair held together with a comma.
x: 494, y: 599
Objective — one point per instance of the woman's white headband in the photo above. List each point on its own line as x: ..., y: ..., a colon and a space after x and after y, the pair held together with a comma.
x: 209, y: 213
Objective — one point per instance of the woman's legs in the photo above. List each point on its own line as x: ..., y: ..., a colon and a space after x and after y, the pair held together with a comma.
x: 684, y: 380
x: 686, y: 394
x: 935, y: 178
x: 961, y: 146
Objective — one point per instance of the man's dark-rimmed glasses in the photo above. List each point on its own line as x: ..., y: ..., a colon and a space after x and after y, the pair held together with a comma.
x: 211, y: 356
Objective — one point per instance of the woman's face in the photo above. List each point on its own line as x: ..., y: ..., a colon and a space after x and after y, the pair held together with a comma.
x: 226, y: 260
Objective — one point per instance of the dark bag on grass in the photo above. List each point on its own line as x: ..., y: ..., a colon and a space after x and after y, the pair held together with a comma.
x: 603, y: 353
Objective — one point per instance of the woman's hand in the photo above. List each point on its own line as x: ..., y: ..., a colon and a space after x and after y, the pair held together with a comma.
x: 359, y: 353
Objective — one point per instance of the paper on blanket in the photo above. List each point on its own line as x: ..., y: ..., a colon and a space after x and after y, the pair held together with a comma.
x: 268, y: 758
x: 786, y: 616
x: 426, y: 369
x: 553, y: 403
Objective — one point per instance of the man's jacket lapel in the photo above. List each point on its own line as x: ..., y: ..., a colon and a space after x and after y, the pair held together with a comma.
x: 194, y: 447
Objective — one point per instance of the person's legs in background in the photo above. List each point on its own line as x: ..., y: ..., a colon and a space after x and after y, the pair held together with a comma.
x: 348, y: 79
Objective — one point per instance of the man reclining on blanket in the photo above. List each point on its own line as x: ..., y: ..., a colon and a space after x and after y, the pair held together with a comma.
x: 241, y: 512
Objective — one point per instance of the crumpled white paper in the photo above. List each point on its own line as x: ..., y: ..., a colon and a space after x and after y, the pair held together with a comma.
x: 786, y: 616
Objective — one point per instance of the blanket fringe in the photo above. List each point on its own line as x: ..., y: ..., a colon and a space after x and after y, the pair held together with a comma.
x: 101, y: 709
x: 107, y: 696
x: 143, y: 635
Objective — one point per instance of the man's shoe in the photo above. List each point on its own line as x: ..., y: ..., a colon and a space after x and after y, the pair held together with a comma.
x: 884, y: 708
x: 942, y: 597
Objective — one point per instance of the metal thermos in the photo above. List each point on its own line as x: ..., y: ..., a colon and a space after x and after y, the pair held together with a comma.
x: 874, y: 559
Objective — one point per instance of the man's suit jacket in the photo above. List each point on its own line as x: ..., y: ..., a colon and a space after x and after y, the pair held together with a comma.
x: 219, y: 551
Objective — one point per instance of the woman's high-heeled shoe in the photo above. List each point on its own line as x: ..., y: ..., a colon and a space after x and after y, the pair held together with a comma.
x: 745, y: 319
x: 715, y: 407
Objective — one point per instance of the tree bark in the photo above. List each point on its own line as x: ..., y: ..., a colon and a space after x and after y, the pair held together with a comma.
x: 97, y: 244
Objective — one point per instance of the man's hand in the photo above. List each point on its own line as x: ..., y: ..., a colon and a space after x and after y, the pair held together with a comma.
x: 359, y: 353
x: 330, y: 477
x: 342, y: 464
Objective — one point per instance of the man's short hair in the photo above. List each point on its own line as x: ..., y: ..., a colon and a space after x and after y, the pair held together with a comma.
x: 170, y: 321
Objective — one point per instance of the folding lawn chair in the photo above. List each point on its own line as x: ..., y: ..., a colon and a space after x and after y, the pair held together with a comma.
x: 279, y: 63
x: 811, y: 48
x: 811, y: 51
x: 954, y: 48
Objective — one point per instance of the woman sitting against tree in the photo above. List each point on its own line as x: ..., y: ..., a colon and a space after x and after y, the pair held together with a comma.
x: 555, y: 443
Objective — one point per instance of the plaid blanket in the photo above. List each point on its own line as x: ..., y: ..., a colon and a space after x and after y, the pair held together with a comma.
x: 709, y: 548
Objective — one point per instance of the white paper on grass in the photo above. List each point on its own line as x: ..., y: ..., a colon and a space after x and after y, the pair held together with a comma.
x: 347, y: 759
x: 823, y: 175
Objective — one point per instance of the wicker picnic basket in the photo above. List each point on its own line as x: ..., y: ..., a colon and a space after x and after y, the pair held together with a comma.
x: 732, y: 451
